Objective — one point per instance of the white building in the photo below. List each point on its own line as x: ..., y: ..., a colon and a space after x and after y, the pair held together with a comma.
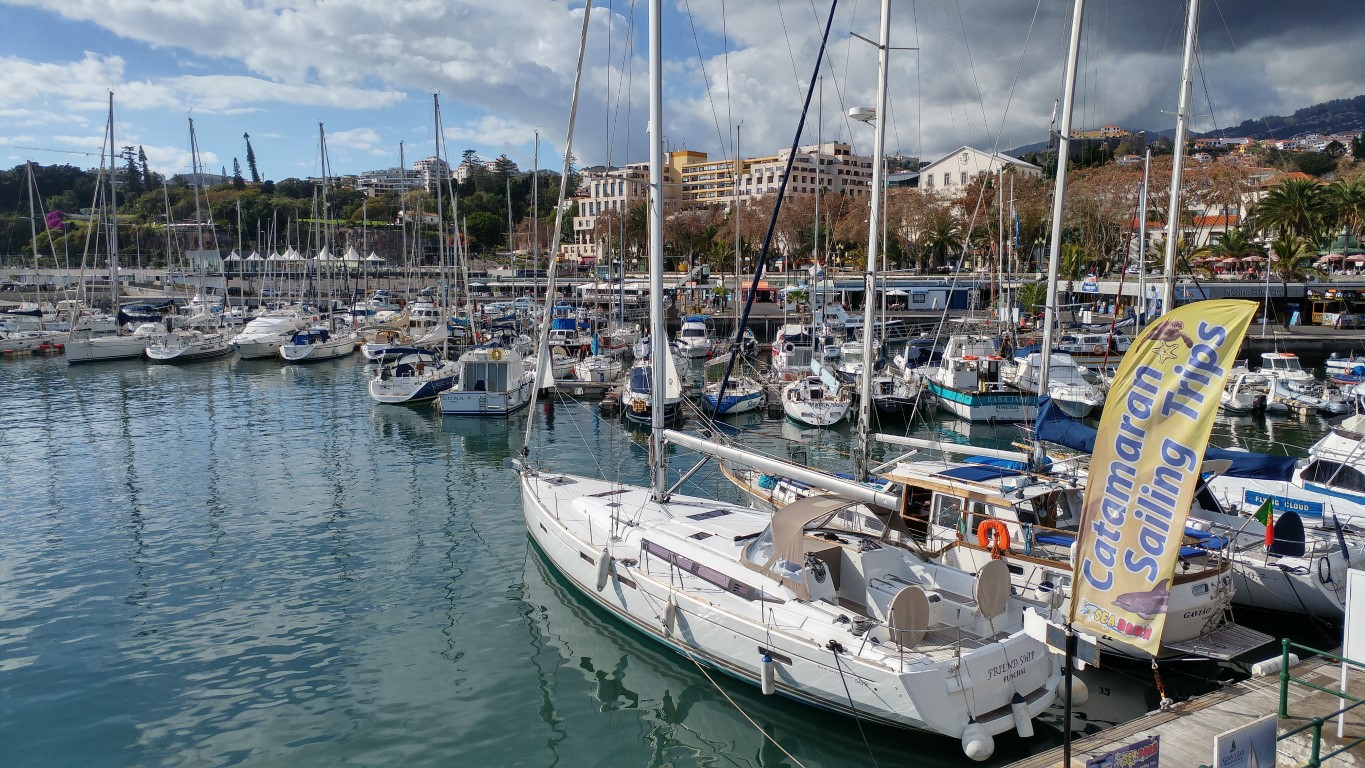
x: 388, y: 181
x: 954, y: 171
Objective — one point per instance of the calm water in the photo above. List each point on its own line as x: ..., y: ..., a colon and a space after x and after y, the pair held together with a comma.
x: 238, y: 563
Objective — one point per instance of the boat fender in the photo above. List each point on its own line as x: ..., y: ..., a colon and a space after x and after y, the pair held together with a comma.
x: 1098, y: 349
x: 1002, y: 537
x: 604, y: 568
x: 789, y: 347
x: 769, y: 675
x: 969, y: 357
x: 670, y: 617
x: 1080, y: 692
x: 977, y: 742
x: 1023, y: 724
x: 1047, y: 593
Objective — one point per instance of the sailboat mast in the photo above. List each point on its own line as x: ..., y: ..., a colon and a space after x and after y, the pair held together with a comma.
x: 658, y: 339
x: 1182, y: 128
x: 1054, y: 255
x: 873, y: 228
x: 113, y: 220
x: 1142, y: 240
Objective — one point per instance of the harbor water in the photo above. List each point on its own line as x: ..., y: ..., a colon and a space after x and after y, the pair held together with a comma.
x: 241, y: 563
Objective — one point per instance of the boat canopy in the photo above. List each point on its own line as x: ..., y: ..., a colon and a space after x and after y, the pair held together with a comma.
x: 1056, y: 427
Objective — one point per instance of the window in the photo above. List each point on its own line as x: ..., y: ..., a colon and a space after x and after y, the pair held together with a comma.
x: 929, y: 181
x: 1336, y: 475
x: 947, y: 179
x: 964, y: 178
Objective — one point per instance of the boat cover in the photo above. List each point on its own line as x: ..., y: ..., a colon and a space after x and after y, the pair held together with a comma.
x: 1056, y: 427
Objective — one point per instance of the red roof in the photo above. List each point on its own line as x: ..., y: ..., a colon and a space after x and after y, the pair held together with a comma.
x: 1229, y: 220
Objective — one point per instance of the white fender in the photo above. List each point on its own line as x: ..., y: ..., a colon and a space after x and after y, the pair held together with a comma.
x: 1023, y: 724
x: 670, y: 617
x: 769, y: 675
x: 977, y: 742
x: 603, y: 569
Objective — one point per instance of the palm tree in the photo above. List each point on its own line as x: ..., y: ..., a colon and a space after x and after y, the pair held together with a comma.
x: 942, y: 238
x: 1232, y: 244
x: 1346, y: 201
x: 1293, y: 263
x: 1296, y: 208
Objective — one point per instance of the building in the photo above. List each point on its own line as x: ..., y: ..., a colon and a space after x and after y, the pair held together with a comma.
x: 431, y: 170
x: 389, y: 181
x: 831, y: 167
x: 618, y: 190
x: 954, y: 171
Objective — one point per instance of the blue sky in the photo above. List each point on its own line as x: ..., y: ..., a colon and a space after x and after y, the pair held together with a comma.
x: 986, y: 72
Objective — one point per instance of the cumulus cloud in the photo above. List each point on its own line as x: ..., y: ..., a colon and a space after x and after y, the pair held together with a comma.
x: 984, y: 73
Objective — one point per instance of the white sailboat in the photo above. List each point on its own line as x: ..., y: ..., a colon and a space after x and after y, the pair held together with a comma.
x: 761, y: 596
x: 412, y: 376
x: 84, y: 344
x: 317, y: 343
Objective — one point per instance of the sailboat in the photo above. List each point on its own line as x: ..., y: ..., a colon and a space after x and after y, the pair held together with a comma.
x: 817, y: 602
x: 411, y: 376
x: 83, y: 344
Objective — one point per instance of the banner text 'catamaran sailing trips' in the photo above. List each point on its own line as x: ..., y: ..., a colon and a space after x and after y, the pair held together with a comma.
x: 1146, y: 465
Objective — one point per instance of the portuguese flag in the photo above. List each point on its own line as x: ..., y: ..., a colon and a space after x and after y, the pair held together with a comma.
x: 1266, y: 516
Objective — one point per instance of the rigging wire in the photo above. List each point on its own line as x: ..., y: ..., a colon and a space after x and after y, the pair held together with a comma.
x: 706, y: 79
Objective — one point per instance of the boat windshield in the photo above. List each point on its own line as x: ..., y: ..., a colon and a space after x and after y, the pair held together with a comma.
x: 639, y: 379
x: 760, y: 551
x: 693, y: 333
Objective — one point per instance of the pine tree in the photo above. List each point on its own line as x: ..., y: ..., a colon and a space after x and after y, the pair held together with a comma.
x: 237, y: 181
x: 251, y: 160
x: 148, y: 180
x: 132, y: 176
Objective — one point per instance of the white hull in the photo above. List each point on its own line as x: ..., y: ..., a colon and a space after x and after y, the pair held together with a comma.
x: 721, y: 629
x: 184, y: 352
x: 311, y: 353
x: 260, y: 348
x: 494, y: 404
x: 105, y: 348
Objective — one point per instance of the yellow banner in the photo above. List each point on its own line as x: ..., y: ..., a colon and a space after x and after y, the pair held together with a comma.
x: 1143, y: 471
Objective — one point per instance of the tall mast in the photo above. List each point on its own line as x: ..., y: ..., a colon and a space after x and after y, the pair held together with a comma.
x: 407, y: 214
x: 1054, y: 255
x: 735, y: 298
x: 658, y: 338
x: 440, y: 206
x: 1142, y: 239
x: 1182, y: 128
x: 113, y: 219
x: 873, y: 229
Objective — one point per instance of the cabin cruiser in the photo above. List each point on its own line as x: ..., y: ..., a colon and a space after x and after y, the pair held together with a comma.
x: 264, y: 334
x: 492, y: 381
x: 694, y: 339
x: 969, y: 382
x: 1067, y: 384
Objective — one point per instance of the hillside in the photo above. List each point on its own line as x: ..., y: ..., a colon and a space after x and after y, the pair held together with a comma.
x: 1335, y: 116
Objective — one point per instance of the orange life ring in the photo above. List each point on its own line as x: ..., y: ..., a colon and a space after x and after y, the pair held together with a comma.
x: 1002, y: 536
x: 1098, y: 349
x: 969, y: 357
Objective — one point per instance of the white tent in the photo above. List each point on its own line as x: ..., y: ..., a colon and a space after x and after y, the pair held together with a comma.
x: 254, y: 257
x: 274, y: 256
x: 352, y: 256
x: 233, y: 257
x: 374, y: 258
x: 325, y: 255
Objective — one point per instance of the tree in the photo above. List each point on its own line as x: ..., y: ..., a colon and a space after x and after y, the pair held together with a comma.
x: 1358, y: 146
x: 1345, y: 200
x: 251, y: 160
x: 148, y: 180
x: 504, y: 167
x: 1295, y: 208
x: 238, y: 183
x: 132, y: 174
x: 1292, y: 263
x: 1315, y: 163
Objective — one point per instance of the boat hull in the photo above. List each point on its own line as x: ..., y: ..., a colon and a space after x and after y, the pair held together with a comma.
x: 991, y: 406
x: 107, y: 348
x: 487, y: 404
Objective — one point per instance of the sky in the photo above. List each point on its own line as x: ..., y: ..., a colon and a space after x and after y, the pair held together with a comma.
x: 984, y: 73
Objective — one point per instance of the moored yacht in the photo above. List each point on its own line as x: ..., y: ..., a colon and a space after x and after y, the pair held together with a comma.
x: 491, y: 381
x: 318, y: 343
x: 412, y: 376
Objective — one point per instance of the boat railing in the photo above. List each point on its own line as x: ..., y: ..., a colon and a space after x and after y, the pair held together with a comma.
x: 1315, y: 756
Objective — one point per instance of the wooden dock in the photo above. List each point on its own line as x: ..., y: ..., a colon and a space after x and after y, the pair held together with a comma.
x: 1187, y: 729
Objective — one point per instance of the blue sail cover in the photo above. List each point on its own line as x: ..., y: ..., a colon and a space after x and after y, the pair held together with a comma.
x: 1056, y: 427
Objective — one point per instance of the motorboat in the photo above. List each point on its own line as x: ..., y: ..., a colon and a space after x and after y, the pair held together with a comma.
x: 694, y: 338
x: 1067, y: 384
x: 492, y: 381
x: 598, y: 368
x: 411, y: 376
x: 264, y: 334
x: 1247, y: 392
x: 793, y: 351
x: 968, y: 382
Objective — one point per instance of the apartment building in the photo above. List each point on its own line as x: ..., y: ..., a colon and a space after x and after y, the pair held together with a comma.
x: 388, y: 181
x: 712, y: 182
x: 618, y: 190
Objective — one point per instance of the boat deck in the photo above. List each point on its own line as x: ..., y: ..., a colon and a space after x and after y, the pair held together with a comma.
x: 1187, y: 729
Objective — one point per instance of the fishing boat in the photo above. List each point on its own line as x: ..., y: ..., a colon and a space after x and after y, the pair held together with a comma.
x: 968, y: 382
x: 317, y: 343
x: 411, y: 376
x: 793, y: 351
x: 491, y: 382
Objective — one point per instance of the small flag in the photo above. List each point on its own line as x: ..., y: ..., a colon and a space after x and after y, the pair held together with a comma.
x: 1265, y: 516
